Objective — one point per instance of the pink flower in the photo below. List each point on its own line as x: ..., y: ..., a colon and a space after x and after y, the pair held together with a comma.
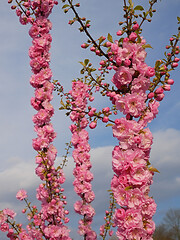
x: 10, y: 213
x: 133, y: 104
x: 122, y: 76
x: 3, y: 217
x: 150, y: 72
x: 133, y: 219
x: 92, y: 125
x: 22, y: 194
x: 133, y: 36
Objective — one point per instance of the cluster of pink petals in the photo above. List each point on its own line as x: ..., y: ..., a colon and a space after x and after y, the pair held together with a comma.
x: 132, y: 73
x: 82, y: 174
x: 133, y: 177
x: 51, y: 193
x: 34, y: 7
x: 132, y: 180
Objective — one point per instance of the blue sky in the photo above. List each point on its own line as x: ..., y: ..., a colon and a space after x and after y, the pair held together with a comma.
x: 16, y: 127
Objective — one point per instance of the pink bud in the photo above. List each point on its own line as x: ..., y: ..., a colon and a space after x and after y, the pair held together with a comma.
x: 137, y: 139
x: 151, y: 95
x: 170, y: 81
x: 167, y: 87
x: 91, y: 113
x: 174, y: 64
x: 13, y: 7
x: 176, y: 59
x: 117, y: 121
x: 66, y: 220
x: 115, y: 68
x: 160, y: 97
x: 135, y: 27
x: 109, y: 67
x: 105, y: 119
x: 128, y: 116
x: 133, y: 36
x: 66, y: 212
x: 102, y: 62
x: 97, y: 52
x: 126, y: 39
x: 159, y: 90
x: 108, y: 44
x: 91, y: 99
x: 106, y: 109
x: 118, y: 60
x: 92, y: 49
x: 92, y: 125
x: 83, y: 45
x: 127, y: 62
x: 171, y: 39
x: 119, y: 33
x: 150, y: 72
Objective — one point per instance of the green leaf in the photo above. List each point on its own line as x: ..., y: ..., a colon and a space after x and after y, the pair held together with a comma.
x: 62, y: 103
x: 146, y: 46
x: 109, y: 125
x: 178, y: 18
x: 139, y: 7
x: 86, y: 61
x: 158, y: 63
x: 65, y: 6
x: 109, y: 37
x: 153, y: 169
x: 81, y: 63
x: 150, y: 14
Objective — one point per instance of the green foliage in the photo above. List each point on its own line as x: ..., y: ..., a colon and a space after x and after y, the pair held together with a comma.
x: 139, y: 7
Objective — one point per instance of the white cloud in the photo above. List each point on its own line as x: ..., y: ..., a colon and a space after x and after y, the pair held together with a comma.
x: 18, y: 175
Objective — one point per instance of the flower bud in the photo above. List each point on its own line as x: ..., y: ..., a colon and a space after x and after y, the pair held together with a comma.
x: 167, y: 87
x: 119, y: 33
x: 135, y: 26
x: 92, y: 125
x: 108, y: 44
x: 160, y: 97
x: 159, y: 90
x: 174, y: 64
x: 170, y: 81
x: 176, y: 59
x: 151, y: 95
x: 133, y: 36
x: 105, y: 119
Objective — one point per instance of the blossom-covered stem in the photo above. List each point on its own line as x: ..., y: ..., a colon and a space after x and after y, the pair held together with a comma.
x: 104, y: 229
x: 82, y: 174
x: 14, y: 226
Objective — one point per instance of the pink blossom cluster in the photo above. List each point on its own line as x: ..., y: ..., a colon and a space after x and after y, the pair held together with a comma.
x: 29, y: 10
x: 82, y: 174
x: 51, y: 193
x: 133, y: 176
x: 132, y: 76
x: 132, y: 180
